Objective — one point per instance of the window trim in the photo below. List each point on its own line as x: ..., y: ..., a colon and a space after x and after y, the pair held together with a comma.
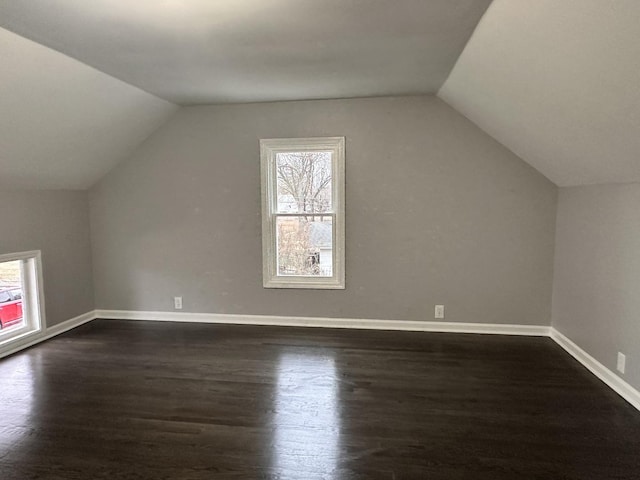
x: 268, y: 150
x: 32, y: 296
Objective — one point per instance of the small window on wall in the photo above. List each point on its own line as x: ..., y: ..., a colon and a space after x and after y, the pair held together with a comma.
x: 303, y: 212
x: 20, y: 296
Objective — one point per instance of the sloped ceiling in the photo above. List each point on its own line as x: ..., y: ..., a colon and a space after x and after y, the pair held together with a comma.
x: 63, y: 124
x: 214, y: 51
x: 557, y: 82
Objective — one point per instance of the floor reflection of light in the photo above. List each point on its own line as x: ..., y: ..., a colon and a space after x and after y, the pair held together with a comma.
x: 16, y: 402
x: 307, y: 418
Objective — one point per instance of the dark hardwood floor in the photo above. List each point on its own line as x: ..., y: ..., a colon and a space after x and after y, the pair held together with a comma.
x: 140, y: 400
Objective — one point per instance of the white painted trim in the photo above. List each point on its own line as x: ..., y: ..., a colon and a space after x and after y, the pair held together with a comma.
x: 269, y: 148
x: 616, y: 383
x: 621, y: 387
x: 33, y: 310
x: 37, y: 337
x: 612, y: 380
x: 10, y: 257
x: 359, y: 323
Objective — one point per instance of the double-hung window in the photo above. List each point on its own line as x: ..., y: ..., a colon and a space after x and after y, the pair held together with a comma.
x: 303, y: 212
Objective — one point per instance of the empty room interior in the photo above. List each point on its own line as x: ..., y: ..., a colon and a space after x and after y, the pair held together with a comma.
x: 320, y: 239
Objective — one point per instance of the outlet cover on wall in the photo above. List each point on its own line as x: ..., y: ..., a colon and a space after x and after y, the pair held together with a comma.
x: 439, y: 313
x: 622, y: 362
x: 177, y: 303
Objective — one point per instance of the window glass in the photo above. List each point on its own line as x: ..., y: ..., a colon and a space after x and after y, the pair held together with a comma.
x: 11, y: 284
x: 304, y: 182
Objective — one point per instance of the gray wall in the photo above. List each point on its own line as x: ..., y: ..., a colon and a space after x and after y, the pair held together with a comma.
x: 57, y: 223
x: 596, y: 297
x: 437, y: 212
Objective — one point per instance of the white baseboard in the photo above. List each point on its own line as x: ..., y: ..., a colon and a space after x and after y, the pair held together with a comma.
x: 30, y: 340
x: 616, y: 383
x: 625, y: 390
x: 612, y: 380
x: 324, y: 322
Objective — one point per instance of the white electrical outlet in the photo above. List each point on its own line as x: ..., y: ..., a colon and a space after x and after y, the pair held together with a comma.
x: 439, y: 311
x: 622, y: 362
x: 177, y: 303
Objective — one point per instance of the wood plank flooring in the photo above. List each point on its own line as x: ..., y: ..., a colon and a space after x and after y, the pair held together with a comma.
x: 142, y: 400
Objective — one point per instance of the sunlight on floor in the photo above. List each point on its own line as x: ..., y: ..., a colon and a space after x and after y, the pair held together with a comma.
x: 307, y: 418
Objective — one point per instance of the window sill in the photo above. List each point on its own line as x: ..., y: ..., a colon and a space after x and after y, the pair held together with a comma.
x: 327, y: 285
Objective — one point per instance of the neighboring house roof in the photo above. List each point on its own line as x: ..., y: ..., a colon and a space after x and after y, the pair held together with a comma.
x: 320, y: 234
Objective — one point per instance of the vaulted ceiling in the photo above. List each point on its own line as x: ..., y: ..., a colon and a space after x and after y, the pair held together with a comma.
x: 63, y: 124
x: 558, y: 82
x: 212, y: 51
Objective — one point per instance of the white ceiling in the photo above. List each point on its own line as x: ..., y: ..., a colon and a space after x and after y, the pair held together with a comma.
x: 212, y: 51
x: 63, y: 124
x: 557, y: 82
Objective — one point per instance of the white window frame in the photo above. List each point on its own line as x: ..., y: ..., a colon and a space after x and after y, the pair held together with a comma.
x: 32, y: 299
x: 269, y: 148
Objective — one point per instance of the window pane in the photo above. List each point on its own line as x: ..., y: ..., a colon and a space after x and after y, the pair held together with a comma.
x: 11, y: 293
x: 304, y: 182
x: 305, y: 246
